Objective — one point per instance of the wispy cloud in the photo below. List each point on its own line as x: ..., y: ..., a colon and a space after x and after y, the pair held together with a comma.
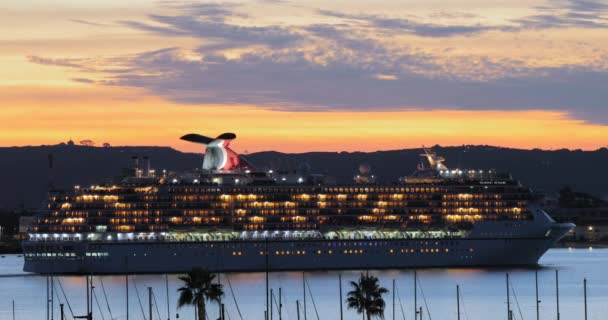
x: 413, y: 26
x: 64, y: 62
x: 352, y: 64
x: 89, y: 23
x: 208, y: 22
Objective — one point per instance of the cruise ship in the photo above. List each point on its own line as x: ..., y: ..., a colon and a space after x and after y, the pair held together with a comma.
x: 229, y: 216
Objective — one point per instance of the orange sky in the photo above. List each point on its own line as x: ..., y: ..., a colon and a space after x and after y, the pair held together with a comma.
x: 43, y: 115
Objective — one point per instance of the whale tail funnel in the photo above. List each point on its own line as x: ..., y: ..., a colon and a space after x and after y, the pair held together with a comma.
x: 218, y: 156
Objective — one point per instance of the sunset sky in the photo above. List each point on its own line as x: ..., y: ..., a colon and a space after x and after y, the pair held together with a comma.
x: 298, y: 76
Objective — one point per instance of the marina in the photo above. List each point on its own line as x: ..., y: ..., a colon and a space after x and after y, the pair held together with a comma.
x: 482, y: 291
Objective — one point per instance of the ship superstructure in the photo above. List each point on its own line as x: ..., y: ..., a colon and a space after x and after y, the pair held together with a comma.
x: 229, y: 216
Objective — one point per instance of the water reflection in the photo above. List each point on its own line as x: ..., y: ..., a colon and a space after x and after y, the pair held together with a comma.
x: 482, y: 291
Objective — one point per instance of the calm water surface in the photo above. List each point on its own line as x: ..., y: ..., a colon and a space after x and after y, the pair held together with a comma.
x: 483, y: 292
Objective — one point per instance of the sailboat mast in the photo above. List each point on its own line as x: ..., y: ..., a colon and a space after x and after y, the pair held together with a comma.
x: 585, y: 295
x: 88, y: 299
x: 149, y: 303
x: 127, y: 293
x: 508, y: 300
x: 48, y: 316
x: 557, y: 291
x: 52, y: 299
x: 304, y: 289
x: 340, y: 289
x: 458, y: 302
x: 537, y: 301
x: 167, y: 292
x: 393, y: 299
x: 267, y: 296
x: 416, y: 295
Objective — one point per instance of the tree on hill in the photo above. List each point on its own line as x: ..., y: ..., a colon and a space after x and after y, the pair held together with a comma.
x: 87, y: 143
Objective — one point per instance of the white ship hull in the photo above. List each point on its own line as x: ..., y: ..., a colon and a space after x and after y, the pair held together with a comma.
x: 491, y: 243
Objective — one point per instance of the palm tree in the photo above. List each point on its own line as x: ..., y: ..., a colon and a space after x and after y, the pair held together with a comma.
x: 366, y: 297
x: 198, y: 288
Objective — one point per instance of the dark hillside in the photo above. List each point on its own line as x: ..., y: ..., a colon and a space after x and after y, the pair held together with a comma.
x: 25, y: 176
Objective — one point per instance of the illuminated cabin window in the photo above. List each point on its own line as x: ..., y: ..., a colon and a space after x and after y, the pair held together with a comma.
x: 322, y: 197
x: 465, y: 196
x: 120, y: 205
x: 421, y: 217
x: 176, y: 220
x: 367, y: 218
x: 302, y: 197
x: 299, y: 219
x: 361, y: 197
x: 256, y: 219
x: 69, y: 221
x: 268, y: 204
x: 397, y: 196
x: 110, y: 198
x: 124, y: 228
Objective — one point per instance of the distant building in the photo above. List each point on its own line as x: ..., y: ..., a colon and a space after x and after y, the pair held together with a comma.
x: 591, y: 223
x: 589, y: 213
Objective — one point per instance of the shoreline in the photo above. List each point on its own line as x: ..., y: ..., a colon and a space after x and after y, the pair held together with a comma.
x: 583, y: 244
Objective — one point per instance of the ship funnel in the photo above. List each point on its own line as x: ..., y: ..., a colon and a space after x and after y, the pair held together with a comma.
x: 218, y: 156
